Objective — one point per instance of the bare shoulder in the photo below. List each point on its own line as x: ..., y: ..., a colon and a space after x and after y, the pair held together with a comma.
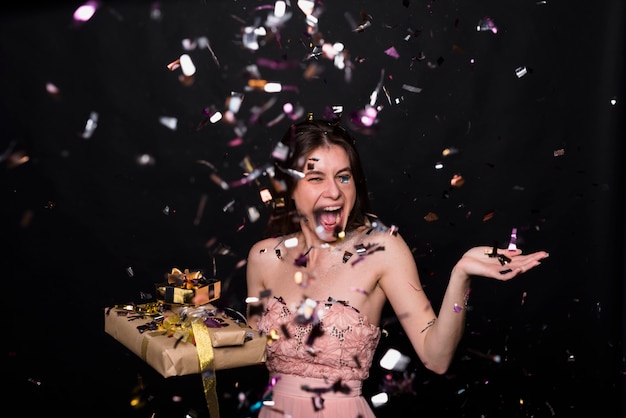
x: 266, y: 255
x: 261, y: 265
x: 261, y: 249
x: 384, y: 239
x: 387, y: 251
x: 397, y: 262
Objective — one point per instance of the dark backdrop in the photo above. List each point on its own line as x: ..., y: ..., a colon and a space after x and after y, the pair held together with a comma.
x: 87, y: 223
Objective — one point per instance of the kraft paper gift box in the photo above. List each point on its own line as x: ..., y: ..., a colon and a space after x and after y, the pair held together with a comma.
x: 234, y: 344
x: 181, y: 286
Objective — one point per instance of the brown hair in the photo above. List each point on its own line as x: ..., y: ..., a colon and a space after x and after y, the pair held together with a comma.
x: 299, y: 140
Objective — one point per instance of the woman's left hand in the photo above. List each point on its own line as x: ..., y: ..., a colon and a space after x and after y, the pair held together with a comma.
x: 503, y: 264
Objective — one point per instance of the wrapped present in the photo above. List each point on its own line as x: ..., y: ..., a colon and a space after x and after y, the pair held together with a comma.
x: 165, y: 339
x: 181, y: 287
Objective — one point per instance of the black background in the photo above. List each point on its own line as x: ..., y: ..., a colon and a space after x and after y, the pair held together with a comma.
x: 86, y: 226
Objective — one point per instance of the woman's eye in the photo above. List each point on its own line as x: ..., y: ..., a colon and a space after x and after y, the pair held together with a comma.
x: 345, y: 179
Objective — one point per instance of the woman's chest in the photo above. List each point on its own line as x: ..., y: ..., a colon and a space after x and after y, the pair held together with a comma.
x: 323, y: 277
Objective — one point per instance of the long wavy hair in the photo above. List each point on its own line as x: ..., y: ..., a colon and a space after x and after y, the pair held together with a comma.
x: 298, y: 141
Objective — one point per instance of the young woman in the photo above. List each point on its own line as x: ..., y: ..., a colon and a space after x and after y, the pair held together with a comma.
x: 325, y: 271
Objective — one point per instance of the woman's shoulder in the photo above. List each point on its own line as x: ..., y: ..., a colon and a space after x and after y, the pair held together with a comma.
x: 264, y: 246
x: 388, y: 236
x: 268, y: 249
x: 384, y: 241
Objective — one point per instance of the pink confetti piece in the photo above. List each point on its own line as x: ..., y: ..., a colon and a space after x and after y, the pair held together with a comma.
x: 392, y: 52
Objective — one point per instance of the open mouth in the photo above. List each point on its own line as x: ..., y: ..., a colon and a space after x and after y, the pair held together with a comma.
x: 330, y: 218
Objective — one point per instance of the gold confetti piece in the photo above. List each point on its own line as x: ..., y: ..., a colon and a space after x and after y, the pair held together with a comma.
x: 431, y: 217
x: 173, y: 65
x: 273, y: 335
x: 457, y: 181
x: 298, y: 278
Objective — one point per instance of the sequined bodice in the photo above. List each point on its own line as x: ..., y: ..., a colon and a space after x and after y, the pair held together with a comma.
x: 338, y: 345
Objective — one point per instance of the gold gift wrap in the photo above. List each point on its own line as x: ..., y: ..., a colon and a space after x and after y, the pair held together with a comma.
x: 181, y: 287
x: 234, y: 344
x: 168, y: 293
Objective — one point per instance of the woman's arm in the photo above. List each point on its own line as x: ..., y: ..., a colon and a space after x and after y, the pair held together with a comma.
x: 255, y: 282
x: 435, y: 337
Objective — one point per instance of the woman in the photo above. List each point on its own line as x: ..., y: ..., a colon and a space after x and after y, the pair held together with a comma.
x: 325, y: 272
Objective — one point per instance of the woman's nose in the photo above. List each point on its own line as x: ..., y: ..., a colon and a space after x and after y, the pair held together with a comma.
x: 332, y: 189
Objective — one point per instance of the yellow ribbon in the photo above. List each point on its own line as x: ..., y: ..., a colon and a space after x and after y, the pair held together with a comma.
x: 207, y: 366
x: 146, y: 308
x: 147, y: 336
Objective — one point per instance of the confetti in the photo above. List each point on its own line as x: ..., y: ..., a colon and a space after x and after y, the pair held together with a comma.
x: 86, y: 11
x: 91, y: 125
x: 486, y: 25
x: 394, y: 360
x: 521, y: 72
x: 431, y: 217
x: 392, y: 52
x: 513, y: 240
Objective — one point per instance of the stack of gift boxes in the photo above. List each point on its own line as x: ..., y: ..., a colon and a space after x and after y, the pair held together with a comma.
x: 162, y: 332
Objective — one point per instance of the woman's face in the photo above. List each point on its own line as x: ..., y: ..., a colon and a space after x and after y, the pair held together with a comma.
x: 326, y: 195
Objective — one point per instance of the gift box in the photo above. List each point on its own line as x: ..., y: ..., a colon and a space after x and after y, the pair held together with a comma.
x: 174, y: 353
x: 181, y: 287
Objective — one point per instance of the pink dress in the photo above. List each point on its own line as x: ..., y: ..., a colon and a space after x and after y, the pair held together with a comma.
x: 318, y: 366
